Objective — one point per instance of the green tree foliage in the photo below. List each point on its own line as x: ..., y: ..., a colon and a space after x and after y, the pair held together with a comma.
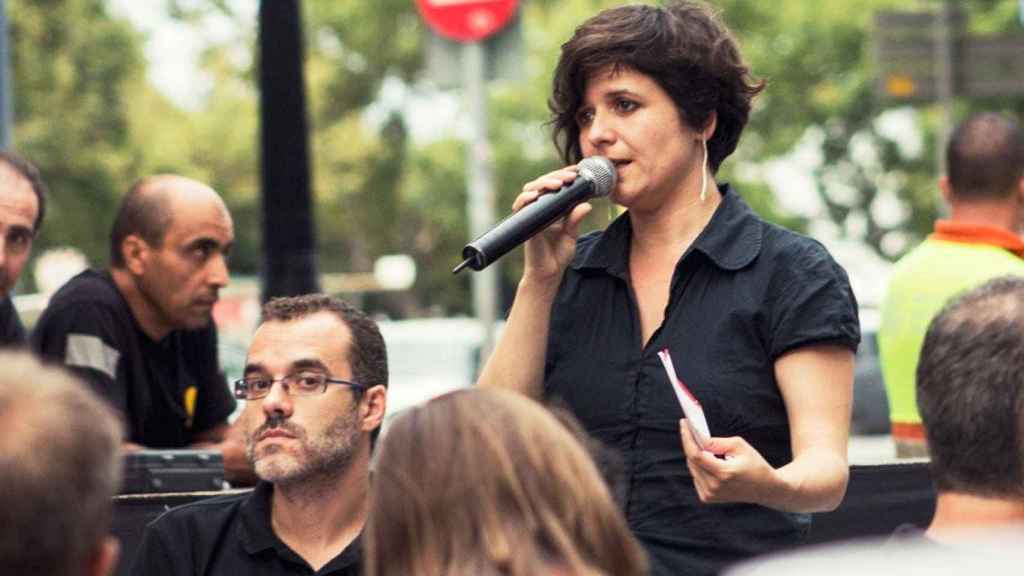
x: 86, y: 114
x: 352, y: 48
x: 818, y: 59
x: 75, y: 69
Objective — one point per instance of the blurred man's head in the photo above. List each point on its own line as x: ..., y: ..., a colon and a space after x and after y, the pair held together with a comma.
x: 970, y: 392
x: 22, y: 203
x: 59, y: 470
x: 315, y: 389
x: 170, y: 242
x: 985, y: 166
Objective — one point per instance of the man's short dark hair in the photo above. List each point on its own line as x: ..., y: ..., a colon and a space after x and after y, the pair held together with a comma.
x: 367, y: 355
x: 683, y: 47
x: 985, y: 157
x: 59, y: 468
x: 970, y: 391
x: 29, y: 172
x: 143, y: 213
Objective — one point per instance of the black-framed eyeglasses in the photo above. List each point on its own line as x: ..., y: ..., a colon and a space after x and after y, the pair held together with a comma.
x: 298, y: 384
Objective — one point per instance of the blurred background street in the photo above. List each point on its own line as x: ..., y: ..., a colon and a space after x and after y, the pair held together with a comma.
x: 843, y: 145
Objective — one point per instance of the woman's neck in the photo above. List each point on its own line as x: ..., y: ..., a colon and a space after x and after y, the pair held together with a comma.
x: 673, y: 224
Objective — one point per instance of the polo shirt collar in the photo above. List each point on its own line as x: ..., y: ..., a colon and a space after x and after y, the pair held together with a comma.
x: 257, y: 534
x: 731, y: 240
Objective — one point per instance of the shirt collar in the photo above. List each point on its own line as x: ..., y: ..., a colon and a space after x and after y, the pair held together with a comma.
x: 257, y: 535
x: 970, y: 233
x: 731, y: 240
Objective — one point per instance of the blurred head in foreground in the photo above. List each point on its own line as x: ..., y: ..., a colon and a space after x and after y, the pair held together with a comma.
x: 59, y: 470
x: 970, y: 392
x: 489, y: 482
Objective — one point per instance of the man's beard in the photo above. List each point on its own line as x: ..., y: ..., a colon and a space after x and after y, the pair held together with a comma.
x: 326, y: 455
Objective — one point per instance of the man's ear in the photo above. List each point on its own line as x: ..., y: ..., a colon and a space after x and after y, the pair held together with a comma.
x: 135, y: 252
x: 947, y: 192
x: 373, y: 407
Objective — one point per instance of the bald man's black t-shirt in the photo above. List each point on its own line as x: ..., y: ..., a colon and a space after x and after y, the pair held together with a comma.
x: 168, y: 391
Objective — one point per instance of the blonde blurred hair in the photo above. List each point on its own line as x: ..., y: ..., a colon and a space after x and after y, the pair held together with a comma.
x: 488, y: 482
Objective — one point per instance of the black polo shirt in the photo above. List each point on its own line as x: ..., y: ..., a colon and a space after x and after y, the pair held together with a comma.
x: 232, y: 536
x: 745, y: 293
x: 168, y: 391
x: 12, y: 333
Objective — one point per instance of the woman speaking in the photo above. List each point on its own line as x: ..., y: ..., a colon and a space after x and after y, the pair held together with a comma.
x: 760, y: 322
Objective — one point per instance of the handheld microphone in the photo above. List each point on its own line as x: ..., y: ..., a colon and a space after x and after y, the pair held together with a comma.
x: 596, y: 177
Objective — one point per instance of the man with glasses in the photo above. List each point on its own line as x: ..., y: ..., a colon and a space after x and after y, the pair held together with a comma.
x: 315, y: 392
x: 22, y: 202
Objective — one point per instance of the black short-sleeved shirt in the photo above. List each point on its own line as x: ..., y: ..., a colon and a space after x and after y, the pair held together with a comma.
x: 12, y: 333
x: 229, y: 535
x: 745, y: 293
x: 168, y: 390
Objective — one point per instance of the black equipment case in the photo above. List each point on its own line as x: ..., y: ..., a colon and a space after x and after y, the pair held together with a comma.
x: 150, y: 471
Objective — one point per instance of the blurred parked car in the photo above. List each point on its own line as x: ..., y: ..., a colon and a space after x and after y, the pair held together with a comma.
x: 870, y: 403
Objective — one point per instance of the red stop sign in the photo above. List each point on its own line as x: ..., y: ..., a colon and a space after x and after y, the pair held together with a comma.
x: 466, y: 20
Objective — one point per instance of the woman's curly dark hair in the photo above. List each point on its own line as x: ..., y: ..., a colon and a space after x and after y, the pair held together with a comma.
x: 683, y: 47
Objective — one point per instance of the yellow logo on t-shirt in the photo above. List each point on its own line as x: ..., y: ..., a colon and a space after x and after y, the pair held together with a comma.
x: 190, y: 404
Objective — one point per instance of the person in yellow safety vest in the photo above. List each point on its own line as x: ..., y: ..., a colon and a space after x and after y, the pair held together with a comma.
x: 984, y: 188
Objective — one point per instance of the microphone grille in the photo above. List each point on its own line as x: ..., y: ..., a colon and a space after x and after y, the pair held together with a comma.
x: 601, y: 172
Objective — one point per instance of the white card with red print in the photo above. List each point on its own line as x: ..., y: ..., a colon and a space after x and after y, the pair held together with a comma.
x: 691, y: 407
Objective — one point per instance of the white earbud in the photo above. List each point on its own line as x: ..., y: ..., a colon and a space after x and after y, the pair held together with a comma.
x: 704, y: 172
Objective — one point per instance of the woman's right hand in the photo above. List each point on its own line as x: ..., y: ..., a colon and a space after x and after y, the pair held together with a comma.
x: 550, y: 251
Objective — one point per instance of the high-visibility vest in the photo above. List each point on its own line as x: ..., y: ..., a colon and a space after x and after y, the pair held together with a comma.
x: 921, y: 284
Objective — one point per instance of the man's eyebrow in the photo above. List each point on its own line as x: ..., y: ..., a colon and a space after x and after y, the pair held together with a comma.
x: 253, y: 367
x: 297, y: 365
x: 206, y: 242
x: 309, y: 363
x: 19, y: 229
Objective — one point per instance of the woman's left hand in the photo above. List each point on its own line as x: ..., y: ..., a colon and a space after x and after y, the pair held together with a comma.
x: 727, y: 469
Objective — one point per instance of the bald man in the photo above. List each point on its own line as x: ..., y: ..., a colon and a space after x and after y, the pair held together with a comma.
x: 141, y: 332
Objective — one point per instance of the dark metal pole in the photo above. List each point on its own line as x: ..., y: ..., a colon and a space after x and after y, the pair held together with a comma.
x: 946, y: 35
x: 6, y: 106
x: 480, y: 177
x: 289, y: 234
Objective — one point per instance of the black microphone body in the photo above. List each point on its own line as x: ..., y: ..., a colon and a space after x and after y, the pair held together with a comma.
x: 596, y: 177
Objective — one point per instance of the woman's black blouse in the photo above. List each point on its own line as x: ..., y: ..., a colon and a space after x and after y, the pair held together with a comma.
x: 743, y: 295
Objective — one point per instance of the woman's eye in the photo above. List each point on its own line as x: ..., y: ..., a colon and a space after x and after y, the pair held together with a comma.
x: 584, y: 117
x: 625, y: 105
